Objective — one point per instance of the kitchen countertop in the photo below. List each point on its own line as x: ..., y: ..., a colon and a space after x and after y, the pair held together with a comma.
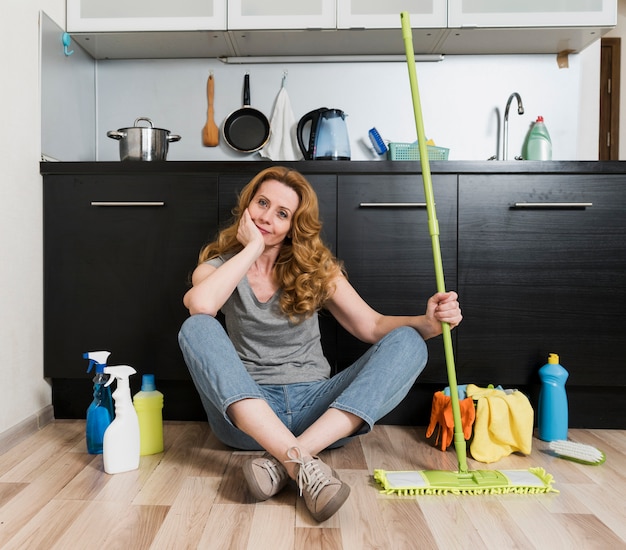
x: 337, y: 167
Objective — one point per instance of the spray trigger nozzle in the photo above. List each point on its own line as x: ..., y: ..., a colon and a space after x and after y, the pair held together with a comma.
x: 97, y: 358
x: 121, y: 372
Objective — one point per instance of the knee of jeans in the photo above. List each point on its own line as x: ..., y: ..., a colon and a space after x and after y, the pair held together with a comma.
x: 196, y: 322
x: 410, y: 337
x: 413, y: 343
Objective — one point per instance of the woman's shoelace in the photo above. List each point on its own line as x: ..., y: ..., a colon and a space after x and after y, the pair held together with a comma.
x: 309, y: 473
x: 275, y: 470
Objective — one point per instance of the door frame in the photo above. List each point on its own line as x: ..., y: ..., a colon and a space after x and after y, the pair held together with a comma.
x: 608, y: 135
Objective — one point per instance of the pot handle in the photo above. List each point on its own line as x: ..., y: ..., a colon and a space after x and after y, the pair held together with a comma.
x: 144, y: 118
x: 116, y: 135
x: 173, y: 137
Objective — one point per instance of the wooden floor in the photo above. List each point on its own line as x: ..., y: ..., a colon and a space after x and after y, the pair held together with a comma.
x: 55, y: 495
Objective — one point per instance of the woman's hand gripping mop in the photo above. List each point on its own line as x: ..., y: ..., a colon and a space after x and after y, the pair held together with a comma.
x: 436, y: 482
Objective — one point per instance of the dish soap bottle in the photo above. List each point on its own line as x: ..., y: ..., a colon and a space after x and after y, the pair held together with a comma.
x: 149, y: 405
x: 539, y: 145
x: 100, y: 413
x: 121, y: 439
x: 552, y: 412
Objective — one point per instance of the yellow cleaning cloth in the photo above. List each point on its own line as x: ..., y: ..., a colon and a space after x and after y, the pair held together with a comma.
x: 504, y: 423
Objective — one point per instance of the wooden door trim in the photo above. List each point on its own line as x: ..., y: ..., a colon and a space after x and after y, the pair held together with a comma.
x: 608, y: 144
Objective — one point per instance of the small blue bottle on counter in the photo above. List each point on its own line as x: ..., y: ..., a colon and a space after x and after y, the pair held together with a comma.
x: 552, y: 413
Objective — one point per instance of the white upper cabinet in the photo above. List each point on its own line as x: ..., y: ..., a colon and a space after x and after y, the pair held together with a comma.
x: 281, y: 14
x: 145, y: 15
x: 222, y: 28
x: 374, y: 14
x: 531, y: 13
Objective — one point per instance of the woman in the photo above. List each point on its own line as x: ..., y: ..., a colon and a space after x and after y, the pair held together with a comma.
x: 265, y: 383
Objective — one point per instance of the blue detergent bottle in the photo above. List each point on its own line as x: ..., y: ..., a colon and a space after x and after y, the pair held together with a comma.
x: 100, y: 413
x: 552, y: 412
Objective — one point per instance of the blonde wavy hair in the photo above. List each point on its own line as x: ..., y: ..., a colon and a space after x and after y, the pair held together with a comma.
x: 305, y: 267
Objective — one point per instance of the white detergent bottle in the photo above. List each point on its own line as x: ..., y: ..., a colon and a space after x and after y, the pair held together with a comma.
x: 121, y: 439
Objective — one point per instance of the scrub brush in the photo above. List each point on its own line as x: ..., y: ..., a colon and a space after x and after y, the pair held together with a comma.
x: 577, y: 452
x: 377, y: 141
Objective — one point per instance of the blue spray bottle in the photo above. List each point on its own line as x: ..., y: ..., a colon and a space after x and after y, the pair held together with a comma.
x: 100, y: 413
x: 552, y: 413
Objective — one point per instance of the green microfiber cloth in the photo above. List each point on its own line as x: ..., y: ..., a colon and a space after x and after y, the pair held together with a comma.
x: 477, y: 482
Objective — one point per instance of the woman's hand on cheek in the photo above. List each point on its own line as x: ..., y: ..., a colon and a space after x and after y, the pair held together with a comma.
x: 247, y: 232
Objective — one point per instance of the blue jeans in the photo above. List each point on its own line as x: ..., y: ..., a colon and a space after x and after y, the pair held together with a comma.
x: 370, y: 388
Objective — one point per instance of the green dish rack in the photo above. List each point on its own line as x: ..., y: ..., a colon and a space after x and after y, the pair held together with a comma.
x: 410, y: 151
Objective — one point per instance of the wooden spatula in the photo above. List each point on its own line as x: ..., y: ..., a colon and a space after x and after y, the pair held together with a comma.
x: 210, y: 132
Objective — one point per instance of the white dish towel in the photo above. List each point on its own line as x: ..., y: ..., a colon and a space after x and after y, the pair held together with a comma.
x: 282, y: 144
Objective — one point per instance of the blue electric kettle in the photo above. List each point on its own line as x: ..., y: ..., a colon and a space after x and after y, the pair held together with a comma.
x: 328, y: 135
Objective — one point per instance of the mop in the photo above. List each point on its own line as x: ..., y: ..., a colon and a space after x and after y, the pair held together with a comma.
x: 463, y: 481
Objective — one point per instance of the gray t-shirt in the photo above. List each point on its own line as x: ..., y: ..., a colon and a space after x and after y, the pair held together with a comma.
x: 273, y: 349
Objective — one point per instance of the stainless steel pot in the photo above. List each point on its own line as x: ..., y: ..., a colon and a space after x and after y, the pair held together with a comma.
x: 142, y: 143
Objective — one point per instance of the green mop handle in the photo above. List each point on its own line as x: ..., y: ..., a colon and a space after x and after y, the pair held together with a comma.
x: 433, y: 228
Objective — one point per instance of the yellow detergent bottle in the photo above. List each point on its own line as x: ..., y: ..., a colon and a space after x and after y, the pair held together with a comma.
x: 149, y: 406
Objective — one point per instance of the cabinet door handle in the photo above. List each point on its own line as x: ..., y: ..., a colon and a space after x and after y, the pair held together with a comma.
x: 553, y: 205
x: 392, y: 205
x: 127, y: 203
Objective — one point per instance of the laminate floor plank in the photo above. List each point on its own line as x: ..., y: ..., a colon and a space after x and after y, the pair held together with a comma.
x: 227, y: 528
x: 18, y: 511
x: 47, y: 526
x: 23, y: 461
x: 362, y: 526
x: 185, y: 523
x: 53, y: 495
x: 324, y: 538
x: 404, y: 522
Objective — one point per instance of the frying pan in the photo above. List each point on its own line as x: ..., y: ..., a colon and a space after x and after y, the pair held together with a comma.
x: 246, y: 129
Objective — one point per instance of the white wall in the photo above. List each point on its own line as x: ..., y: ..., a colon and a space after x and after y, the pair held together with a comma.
x: 463, y: 99
x: 23, y: 391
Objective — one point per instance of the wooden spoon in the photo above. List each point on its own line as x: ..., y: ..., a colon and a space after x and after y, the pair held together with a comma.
x: 210, y: 132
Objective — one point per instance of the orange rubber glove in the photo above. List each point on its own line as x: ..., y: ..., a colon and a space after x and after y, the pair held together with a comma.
x: 441, y: 417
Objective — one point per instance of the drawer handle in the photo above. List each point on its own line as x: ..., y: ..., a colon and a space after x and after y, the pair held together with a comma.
x: 392, y: 205
x: 553, y: 205
x: 127, y: 203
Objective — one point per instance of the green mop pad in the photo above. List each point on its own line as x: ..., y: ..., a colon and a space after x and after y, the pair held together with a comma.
x: 477, y: 482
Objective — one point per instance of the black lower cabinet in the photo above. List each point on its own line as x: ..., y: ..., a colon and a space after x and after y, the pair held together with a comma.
x: 118, y: 252
x: 384, y: 241
x: 538, y: 260
x: 542, y: 269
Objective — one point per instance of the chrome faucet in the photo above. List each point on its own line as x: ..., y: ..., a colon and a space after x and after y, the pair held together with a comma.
x: 520, y: 111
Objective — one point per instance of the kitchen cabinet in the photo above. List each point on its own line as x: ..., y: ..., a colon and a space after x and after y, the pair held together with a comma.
x: 372, y: 14
x: 118, y: 252
x: 145, y: 15
x: 540, y: 26
x: 281, y: 14
x: 149, y: 29
x: 383, y: 239
x: 542, y: 269
x: 535, y: 250
x: 533, y: 13
x: 241, y: 28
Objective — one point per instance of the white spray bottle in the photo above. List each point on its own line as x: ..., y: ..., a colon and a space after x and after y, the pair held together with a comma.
x: 121, y: 439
